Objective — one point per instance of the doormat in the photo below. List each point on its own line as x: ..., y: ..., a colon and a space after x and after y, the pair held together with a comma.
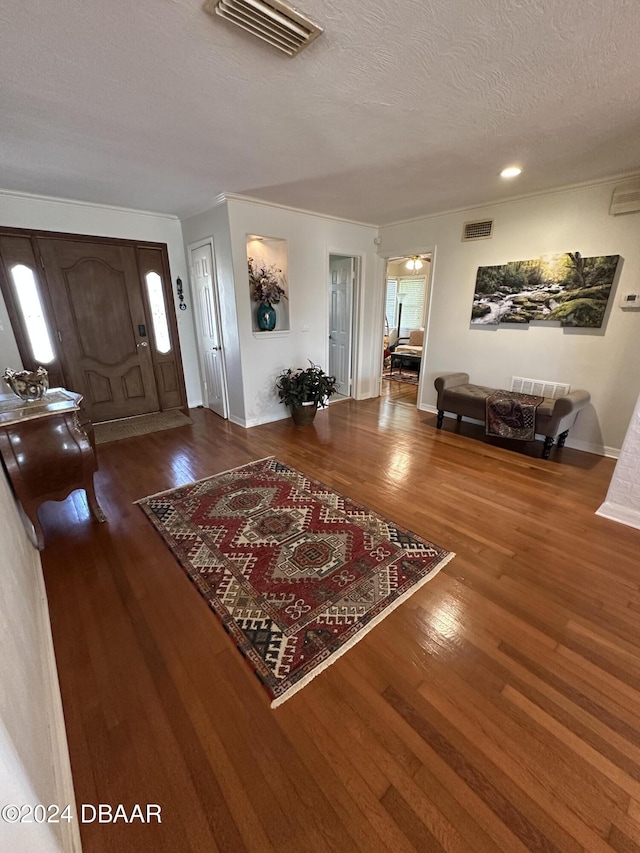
x: 296, y: 572
x: 139, y: 425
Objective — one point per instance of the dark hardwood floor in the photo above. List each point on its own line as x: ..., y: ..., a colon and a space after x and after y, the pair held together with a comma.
x: 498, y: 709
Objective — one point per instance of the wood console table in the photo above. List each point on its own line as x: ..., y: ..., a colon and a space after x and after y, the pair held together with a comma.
x: 46, y: 453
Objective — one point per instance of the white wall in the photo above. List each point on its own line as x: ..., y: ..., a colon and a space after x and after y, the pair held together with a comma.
x: 215, y: 223
x: 604, y: 362
x: 623, y: 498
x: 26, y: 211
x: 310, y: 240
x: 34, y: 761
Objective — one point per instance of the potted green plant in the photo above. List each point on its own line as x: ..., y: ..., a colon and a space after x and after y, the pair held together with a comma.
x: 304, y: 389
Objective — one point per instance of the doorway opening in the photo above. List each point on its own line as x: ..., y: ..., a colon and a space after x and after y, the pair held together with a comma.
x: 208, y: 327
x: 405, y: 319
x: 343, y: 284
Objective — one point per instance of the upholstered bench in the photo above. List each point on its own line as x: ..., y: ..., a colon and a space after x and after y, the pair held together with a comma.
x: 553, y: 417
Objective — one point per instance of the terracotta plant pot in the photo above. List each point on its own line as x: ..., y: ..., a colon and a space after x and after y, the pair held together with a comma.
x: 304, y: 414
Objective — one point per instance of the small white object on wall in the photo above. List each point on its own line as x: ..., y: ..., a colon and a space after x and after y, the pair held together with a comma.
x: 625, y: 199
x: 630, y: 300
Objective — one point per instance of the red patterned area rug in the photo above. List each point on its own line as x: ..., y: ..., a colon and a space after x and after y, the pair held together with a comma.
x: 296, y: 572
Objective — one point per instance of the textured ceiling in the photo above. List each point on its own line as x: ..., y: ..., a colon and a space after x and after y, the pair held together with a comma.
x: 399, y: 109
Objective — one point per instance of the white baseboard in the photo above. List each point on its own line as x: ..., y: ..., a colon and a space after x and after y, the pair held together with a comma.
x: 247, y: 423
x: 267, y: 419
x: 585, y: 446
x: 63, y: 780
x: 598, y: 449
x: 621, y: 514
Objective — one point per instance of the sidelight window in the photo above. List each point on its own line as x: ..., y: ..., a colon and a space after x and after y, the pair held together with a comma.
x: 31, y: 308
x: 155, y: 292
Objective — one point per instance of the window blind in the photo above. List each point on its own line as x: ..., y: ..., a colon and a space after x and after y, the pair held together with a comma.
x: 390, y: 306
x: 411, y: 292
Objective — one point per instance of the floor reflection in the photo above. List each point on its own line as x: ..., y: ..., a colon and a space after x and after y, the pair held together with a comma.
x: 446, y: 618
x: 183, y: 469
x: 399, y: 466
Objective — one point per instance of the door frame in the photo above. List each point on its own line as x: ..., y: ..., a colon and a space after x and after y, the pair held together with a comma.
x: 355, y: 314
x: 33, y: 234
x: 198, y: 244
x: 427, y: 308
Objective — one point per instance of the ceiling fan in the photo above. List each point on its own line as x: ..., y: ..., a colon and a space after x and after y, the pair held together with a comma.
x: 416, y: 262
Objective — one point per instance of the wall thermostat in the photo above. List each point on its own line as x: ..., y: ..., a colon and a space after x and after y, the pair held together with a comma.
x: 630, y: 300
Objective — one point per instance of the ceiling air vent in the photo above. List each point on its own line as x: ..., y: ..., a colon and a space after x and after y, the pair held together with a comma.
x: 274, y: 22
x: 626, y: 198
x: 480, y: 230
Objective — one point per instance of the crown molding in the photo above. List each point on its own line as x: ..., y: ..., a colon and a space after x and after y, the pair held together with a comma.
x: 318, y: 215
x: 217, y: 200
x: 514, y: 199
x: 86, y: 204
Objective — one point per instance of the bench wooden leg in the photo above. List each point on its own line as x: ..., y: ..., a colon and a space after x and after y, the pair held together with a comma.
x: 562, y: 438
x: 440, y: 419
x: 548, y: 444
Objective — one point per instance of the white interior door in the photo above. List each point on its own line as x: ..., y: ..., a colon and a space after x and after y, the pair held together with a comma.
x: 342, y: 272
x: 208, y: 328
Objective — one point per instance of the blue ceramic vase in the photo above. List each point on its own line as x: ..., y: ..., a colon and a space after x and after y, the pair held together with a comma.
x: 266, y: 317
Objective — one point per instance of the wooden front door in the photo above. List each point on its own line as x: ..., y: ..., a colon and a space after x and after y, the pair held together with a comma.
x: 102, y: 326
x: 99, y: 314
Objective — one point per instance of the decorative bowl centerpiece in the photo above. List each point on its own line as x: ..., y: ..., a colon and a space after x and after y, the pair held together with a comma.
x: 27, y: 384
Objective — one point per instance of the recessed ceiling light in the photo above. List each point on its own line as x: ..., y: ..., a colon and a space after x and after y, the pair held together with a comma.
x: 510, y: 172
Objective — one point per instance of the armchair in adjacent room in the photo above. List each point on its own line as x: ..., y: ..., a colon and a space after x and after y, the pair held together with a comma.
x: 411, y: 345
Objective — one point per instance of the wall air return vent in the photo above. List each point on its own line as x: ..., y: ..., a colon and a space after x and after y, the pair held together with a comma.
x: 274, y: 22
x: 481, y: 230
x: 625, y: 198
x: 539, y: 387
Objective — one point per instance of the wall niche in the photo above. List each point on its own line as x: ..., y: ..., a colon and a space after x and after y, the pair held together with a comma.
x: 268, y: 255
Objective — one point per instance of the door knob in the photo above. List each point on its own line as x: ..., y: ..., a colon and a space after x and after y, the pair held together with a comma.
x: 143, y: 344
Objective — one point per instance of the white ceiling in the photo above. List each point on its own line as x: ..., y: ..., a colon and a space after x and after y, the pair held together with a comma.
x: 400, y: 109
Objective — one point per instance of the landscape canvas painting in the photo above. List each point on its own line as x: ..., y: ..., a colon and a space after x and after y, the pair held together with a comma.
x: 566, y: 288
